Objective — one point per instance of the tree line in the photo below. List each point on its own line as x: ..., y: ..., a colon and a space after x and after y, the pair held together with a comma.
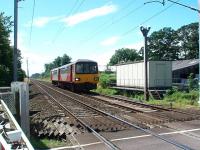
x: 165, y: 44
x: 59, y: 61
x: 6, y: 53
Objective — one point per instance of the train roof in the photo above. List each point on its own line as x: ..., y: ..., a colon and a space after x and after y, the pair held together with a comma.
x: 84, y: 60
x: 79, y: 60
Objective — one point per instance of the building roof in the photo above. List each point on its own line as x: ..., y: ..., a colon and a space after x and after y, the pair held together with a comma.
x: 180, y: 64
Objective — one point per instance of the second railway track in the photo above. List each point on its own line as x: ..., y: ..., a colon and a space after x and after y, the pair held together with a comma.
x: 107, y: 113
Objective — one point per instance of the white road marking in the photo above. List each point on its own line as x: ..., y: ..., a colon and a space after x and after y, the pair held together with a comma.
x: 127, y: 138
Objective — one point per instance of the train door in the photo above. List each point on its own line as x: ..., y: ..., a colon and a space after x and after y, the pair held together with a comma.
x: 51, y: 75
x: 59, y: 75
x: 71, y: 73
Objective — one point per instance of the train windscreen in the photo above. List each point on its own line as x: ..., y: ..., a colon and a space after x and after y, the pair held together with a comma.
x: 86, y: 68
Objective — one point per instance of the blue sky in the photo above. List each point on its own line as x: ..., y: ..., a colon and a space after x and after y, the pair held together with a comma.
x: 90, y: 29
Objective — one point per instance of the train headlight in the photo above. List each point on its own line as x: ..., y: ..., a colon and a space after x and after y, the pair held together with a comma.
x: 77, y: 79
x: 96, y: 78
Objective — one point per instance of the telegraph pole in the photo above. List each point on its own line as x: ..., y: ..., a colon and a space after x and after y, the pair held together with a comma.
x: 145, y: 32
x: 27, y: 69
x: 186, y: 6
x: 15, y: 40
x: 199, y: 55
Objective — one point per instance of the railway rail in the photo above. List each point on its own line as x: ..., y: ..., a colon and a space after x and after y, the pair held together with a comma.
x: 83, y: 123
x: 134, y: 102
x: 76, y: 98
x: 151, y: 111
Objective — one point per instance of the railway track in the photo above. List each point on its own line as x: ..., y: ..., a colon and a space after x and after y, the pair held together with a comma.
x: 135, y: 102
x: 68, y: 111
x: 109, y: 116
x: 151, y: 111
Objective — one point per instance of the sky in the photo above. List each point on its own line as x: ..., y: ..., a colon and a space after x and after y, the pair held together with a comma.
x: 88, y: 29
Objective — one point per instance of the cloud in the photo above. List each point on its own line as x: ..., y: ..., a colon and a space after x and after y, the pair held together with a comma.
x: 90, y: 14
x: 42, y: 21
x: 136, y: 45
x: 36, y: 61
x: 110, y: 41
x: 102, y: 59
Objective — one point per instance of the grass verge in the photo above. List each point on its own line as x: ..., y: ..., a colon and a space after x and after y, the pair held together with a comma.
x: 47, y: 143
x: 105, y: 91
x: 179, y: 99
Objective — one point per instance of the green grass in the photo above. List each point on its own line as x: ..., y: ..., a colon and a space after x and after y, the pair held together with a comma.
x: 47, y: 143
x: 47, y: 79
x: 179, y: 99
x: 105, y: 91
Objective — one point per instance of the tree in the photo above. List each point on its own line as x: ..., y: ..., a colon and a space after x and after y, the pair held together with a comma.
x: 124, y: 55
x: 35, y: 75
x: 6, y: 53
x: 168, y: 44
x: 65, y: 59
x: 162, y: 45
x: 188, y: 38
x: 57, y: 61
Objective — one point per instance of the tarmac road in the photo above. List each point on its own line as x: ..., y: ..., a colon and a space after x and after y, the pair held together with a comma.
x: 187, y: 133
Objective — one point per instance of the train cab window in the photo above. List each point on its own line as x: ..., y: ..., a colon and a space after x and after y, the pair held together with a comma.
x: 79, y: 68
x: 93, y: 68
x: 86, y: 67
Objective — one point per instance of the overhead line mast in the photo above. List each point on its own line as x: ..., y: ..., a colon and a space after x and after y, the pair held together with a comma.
x: 15, y: 76
x: 192, y: 8
x: 33, y: 12
x: 137, y: 26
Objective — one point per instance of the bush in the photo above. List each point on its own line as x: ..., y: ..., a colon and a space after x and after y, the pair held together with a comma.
x: 171, y: 91
x: 106, y: 79
x: 192, y: 83
x: 186, y: 98
x: 106, y: 91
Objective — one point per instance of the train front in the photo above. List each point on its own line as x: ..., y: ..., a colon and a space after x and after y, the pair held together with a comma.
x: 86, y: 75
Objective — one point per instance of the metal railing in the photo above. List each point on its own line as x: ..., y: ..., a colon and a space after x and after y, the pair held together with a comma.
x: 12, y: 138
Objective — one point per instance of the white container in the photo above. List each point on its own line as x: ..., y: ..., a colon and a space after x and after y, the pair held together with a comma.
x: 132, y: 74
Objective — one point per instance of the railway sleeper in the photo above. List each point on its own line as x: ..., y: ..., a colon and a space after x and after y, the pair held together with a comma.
x: 56, y: 132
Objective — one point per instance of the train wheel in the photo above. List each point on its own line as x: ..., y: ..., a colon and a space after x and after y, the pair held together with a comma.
x: 72, y: 88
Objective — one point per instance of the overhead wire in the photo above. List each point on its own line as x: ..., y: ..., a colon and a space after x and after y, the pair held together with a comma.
x: 32, y: 18
x: 61, y: 29
x: 106, y: 26
x: 81, y: 3
x: 110, y: 19
x: 148, y: 19
x: 135, y: 27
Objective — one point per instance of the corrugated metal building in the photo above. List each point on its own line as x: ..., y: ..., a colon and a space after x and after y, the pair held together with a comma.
x: 181, y: 69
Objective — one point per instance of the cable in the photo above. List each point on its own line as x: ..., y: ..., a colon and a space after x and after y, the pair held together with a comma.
x: 112, y: 23
x: 132, y: 29
x: 153, y: 16
x: 81, y: 3
x: 60, y: 30
x: 33, y: 12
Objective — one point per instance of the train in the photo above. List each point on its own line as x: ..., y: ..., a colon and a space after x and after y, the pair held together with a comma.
x: 81, y: 75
